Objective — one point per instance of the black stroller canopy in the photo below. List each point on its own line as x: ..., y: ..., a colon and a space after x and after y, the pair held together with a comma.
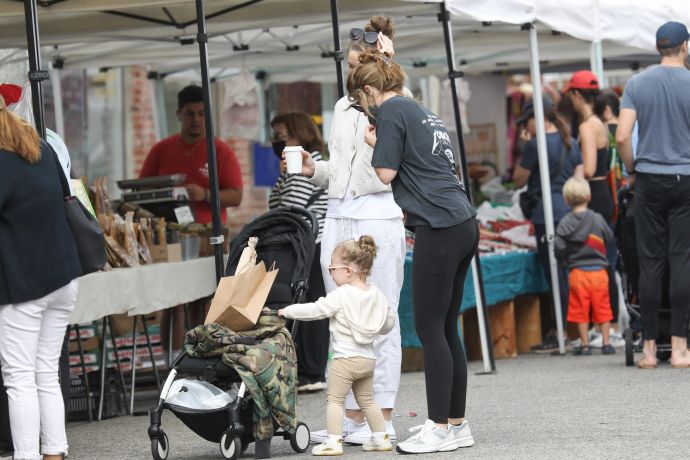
x: 287, y: 239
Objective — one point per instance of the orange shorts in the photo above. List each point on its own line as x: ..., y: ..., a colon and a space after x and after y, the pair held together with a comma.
x: 589, y: 289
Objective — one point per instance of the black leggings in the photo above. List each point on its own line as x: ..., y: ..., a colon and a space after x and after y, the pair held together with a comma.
x: 662, y: 225
x: 439, y: 265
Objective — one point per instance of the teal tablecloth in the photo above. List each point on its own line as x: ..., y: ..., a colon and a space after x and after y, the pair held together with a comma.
x: 506, y: 276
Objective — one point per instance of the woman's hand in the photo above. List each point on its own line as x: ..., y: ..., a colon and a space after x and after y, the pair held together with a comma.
x: 370, y: 134
x: 385, y: 45
x: 281, y: 313
x: 307, y: 164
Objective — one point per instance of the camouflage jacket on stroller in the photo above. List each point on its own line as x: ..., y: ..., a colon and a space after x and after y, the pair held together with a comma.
x: 265, y: 359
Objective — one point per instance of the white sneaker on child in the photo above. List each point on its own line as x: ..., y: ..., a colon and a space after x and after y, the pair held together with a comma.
x: 462, y: 433
x: 330, y: 447
x: 349, y: 426
x: 364, y: 434
x: 382, y: 444
x: 429, y: 438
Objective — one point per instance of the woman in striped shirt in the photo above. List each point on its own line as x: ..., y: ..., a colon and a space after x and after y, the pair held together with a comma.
x: 290, y: 129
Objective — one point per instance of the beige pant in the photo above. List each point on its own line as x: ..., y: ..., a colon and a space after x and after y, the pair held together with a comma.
x: 356, y: 374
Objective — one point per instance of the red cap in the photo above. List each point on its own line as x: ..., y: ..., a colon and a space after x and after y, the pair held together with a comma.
x: 582, y: 79
x: 10, y: 93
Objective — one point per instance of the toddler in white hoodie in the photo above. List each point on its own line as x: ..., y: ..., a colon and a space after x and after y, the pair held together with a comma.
x: 359, y: 313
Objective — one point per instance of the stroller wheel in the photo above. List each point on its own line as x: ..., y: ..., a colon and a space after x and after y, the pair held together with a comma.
x: 629, y: 350
x: 230, y: 446
x: 160, y: 447
x: 299, y: 440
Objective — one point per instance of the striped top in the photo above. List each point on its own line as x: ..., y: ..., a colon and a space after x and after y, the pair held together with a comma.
x: 297, y: 190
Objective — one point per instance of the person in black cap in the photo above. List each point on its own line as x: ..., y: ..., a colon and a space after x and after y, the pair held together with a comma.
x: 659, y: 100
x: 565, y: 161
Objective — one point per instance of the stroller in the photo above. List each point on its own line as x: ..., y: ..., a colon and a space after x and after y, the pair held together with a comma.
x: 629, y: 270
x: 286, y: 238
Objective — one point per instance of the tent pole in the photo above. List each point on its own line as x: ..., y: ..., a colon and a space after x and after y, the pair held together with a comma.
x: 482, y: 312
x: 36, y: 75
x: 544, y: 177
x: 217, y: 237
x: 57, y: 102
x: 596, y: 58
x: 338, y: 54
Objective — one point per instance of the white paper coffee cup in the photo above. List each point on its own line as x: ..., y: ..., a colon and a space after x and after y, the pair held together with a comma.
x: 293, y: 158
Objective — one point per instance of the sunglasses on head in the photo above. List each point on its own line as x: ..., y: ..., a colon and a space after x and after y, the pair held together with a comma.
x: 369, y: 37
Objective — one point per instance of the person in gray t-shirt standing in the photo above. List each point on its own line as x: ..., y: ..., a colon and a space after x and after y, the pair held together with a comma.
x: 659, y: 100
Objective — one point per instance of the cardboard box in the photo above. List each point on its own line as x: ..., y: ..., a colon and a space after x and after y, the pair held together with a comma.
x: 126, y: 353
x: 85, y: 332
x: 503, y: 335
x: 175, y: 252
x: 527, y: 322
x: 126, y: 341
x: 123, y: 324
x: 75, y: 371
x: 86, y: 345
x: 89, y: 358
x: 159, y: 253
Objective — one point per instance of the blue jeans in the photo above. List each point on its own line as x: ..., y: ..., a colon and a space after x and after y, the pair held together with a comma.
x: 543, y: 250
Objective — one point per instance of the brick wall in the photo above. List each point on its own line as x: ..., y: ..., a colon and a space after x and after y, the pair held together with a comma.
x: 141, y: 118
x: 254, y: 199
x: 142, y: 126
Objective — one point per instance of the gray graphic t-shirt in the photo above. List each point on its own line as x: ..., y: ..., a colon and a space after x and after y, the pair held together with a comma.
x: 415, y: 142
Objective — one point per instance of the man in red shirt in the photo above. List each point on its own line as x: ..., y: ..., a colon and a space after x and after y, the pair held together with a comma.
x: 185, y: 153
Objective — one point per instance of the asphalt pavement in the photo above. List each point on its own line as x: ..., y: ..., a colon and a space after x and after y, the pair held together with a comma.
x: 533, y: 407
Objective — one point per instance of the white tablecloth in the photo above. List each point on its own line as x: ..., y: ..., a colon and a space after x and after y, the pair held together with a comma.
x: 142, y: 290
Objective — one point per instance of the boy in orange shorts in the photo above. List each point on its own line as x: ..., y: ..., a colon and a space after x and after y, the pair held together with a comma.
x: 581, y: 240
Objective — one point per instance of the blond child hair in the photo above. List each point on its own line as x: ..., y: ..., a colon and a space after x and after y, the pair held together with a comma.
x: 576, y: 192
x: 361, y: 253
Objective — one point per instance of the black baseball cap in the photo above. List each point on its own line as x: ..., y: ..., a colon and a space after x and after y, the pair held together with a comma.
x: 527, y: 111
x: 671, y: 35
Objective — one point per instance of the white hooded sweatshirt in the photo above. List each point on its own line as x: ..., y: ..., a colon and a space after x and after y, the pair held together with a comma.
x: 357, y: 318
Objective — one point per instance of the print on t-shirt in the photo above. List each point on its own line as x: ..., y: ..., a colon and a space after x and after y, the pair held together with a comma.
x: 442, y: 144
x: 204, y: 170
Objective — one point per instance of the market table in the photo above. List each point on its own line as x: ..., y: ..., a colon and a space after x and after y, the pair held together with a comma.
x: 138, y: 291
x: 142, y: 290
x: 506, y: 276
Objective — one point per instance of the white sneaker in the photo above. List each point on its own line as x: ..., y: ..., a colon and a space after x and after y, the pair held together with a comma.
x: 462, y: 433
x: 349, y: 426
x: 429, y: 438
x: 364, y: 434
x: 331, y: 447
x: 378, y: 444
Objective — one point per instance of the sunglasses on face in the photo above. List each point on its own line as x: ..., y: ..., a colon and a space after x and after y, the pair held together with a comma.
x: 332, y: 268
x: 369, y: 37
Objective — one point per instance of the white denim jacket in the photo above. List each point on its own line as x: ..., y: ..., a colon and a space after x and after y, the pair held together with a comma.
x: 350, y: 156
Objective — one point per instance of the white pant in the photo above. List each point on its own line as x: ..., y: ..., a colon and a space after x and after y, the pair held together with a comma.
x: 387, y: 275
x: 31, y: 336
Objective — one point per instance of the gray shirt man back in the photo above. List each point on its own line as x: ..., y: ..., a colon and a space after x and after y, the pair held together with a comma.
x: 661, y: 97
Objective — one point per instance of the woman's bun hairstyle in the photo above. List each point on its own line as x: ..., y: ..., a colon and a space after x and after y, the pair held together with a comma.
x: 381, y: 24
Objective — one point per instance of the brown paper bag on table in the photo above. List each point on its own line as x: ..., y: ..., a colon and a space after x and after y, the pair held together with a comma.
x: 239, y: 299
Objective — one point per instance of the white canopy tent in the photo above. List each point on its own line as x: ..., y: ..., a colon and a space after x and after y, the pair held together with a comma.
x: 78, y: 33
x: 631, y: 22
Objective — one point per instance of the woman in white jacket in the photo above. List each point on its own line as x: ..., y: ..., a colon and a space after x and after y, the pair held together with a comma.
x: 359, y: 313
x: 360, y: 204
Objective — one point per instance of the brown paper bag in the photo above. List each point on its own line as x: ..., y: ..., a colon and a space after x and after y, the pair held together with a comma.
x: 239, y: 299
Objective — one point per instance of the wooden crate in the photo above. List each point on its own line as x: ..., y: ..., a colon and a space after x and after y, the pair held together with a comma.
x: 412, y: 360
x: 527, y: 322
x: 503, y: 332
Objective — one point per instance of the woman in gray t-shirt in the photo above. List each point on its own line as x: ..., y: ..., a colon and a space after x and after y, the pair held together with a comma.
x: 412, y: 151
